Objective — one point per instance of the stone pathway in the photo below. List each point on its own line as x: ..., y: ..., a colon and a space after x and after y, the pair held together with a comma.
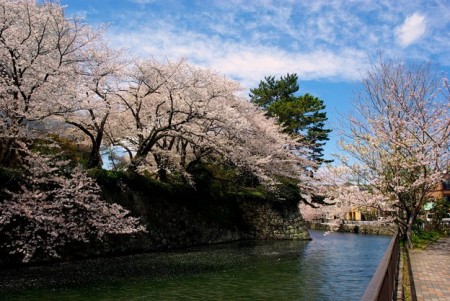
x: 431, y: 271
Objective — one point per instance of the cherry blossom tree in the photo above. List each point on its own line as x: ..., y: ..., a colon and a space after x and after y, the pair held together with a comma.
x: 167, y: 115
x: 176, y: 114
x: 56, y: 206
x: 39, y: 54
x: 262, y: 148
x: 341, y: 190
x: 400, y: 144
x: 166, y: 103
x: 95, y: 99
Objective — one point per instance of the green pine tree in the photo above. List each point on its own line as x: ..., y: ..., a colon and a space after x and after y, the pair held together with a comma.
x: 301, y: 116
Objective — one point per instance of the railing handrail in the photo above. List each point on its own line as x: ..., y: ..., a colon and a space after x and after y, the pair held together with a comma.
x: 382, y: 285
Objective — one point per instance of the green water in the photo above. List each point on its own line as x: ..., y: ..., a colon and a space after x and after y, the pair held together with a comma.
x: 336, y: 266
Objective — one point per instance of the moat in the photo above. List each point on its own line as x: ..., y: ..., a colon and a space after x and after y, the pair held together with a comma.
x: 333, y: 266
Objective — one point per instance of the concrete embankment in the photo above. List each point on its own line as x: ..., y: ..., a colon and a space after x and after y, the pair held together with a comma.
x: 370, y: 229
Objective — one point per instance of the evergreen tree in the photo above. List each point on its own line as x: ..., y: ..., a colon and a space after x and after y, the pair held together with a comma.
x: 301, y: 116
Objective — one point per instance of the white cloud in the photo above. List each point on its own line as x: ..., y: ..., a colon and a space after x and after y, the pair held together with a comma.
x: 411, y: 30
x: 320, y: 40
x: 250, y: 64
x: 246, y: 62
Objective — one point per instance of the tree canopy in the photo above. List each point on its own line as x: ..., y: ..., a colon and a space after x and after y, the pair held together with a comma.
x: 400, y: 140
x: 59, y: 78
x: 302, y: 116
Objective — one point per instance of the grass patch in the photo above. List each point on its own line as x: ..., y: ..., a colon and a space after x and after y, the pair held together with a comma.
x: 406, y: 273
x: 422, y: 239
x: 65, y: 149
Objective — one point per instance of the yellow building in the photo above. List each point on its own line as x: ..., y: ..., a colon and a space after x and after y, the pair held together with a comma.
x: 354, y: 215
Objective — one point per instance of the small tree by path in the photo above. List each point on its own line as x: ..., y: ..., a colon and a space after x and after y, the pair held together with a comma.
x: 399, y: 142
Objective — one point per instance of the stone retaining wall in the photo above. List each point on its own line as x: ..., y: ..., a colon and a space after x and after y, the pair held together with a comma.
x: 180, y: 218
x: 269, y: 220
x: 177, y: 225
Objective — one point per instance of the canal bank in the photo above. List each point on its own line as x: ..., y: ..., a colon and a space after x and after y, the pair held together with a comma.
x: 177, y: 216
x: 358, y: 228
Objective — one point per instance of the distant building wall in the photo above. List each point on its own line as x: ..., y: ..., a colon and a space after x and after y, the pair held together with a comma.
x: 442, y: 190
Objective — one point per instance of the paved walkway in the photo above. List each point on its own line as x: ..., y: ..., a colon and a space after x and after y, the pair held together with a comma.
x: 431, y: 271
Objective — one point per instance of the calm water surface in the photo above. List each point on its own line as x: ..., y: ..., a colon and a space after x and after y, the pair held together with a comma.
x: 334, y: 266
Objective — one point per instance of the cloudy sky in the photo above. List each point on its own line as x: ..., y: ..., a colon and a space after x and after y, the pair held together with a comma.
x: 328, y: 43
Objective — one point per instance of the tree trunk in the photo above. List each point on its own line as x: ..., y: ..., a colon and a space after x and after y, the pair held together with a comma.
x: 409, y: 237
x: 8, y: 155
x: 134, y: 164
x: 95, y: 159
x: 162, y: 175
x: 409, y: 230
x: 161, y: 164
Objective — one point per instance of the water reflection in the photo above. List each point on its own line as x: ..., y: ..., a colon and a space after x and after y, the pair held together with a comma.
x: 344, y: 262
x: 337, y: 266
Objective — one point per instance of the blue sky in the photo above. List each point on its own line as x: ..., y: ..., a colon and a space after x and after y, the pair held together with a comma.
x: 328, y: 43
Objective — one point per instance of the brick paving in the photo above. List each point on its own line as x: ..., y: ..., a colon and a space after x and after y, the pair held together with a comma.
x: 431, y: 271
